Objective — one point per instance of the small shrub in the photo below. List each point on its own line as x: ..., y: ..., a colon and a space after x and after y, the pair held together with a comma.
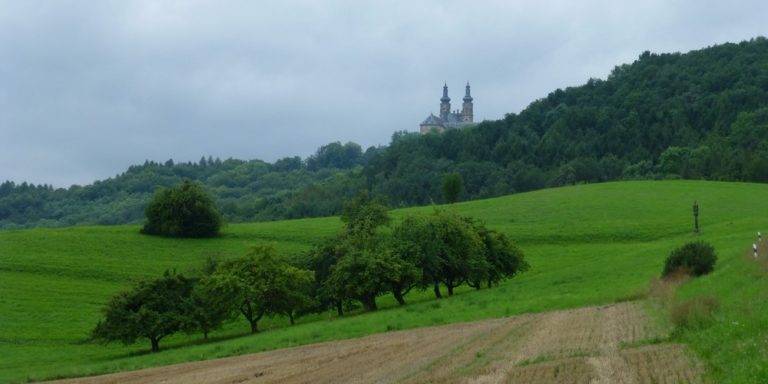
x: 695, y: 258
x: 694, y: 313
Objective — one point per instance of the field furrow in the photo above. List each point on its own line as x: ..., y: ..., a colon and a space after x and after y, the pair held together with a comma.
x: 583, y: 345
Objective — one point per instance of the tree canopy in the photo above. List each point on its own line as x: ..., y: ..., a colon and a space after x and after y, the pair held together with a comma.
x: 153, y: 309
x: 263, y: 283
x: 442, y: 249
x: 184, y: 211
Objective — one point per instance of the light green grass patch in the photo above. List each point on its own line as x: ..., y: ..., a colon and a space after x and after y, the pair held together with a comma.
x: 587, y: 244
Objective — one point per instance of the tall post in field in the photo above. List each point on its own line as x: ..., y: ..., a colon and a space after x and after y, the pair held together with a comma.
x: 695, y: 217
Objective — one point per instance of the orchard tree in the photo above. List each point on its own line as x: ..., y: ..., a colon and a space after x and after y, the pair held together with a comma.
x: 262, y: 283
x: 364, y: 274
x: 321, y: 259
x: 362, y: 215
x: 183, y: 211
x: 355, y: 264
x: 367, y: 263
x: 406, y: 275
x: 416, y: 239
x: 505, y: 260
x: 444, y: 248
x: 153, y: 309
x: 459, y: 251
x: 211, y: 306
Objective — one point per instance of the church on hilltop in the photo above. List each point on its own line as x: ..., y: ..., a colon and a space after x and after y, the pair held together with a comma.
x: 447, y: 119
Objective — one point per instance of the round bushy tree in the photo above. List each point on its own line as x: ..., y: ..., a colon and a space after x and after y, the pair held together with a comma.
x: 184, y: 211
x: 695, y: 258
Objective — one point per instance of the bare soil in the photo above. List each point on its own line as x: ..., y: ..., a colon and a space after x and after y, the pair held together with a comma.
x: 603, y: 344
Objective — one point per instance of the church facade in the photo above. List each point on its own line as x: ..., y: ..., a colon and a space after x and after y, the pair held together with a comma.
x: 448, y: 119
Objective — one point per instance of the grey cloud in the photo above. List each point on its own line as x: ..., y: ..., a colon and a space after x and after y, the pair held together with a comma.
x: 88, y: 88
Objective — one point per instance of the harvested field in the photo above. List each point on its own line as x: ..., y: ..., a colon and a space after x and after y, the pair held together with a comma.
x: 576, y: 346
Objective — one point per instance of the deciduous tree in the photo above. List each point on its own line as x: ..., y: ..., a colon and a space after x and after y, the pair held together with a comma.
x: 184, y: 211
x: 504, y: 258
x: 361, y: 216
x: 211, y: 306
x: 264, y: 284
x: 153, y: 309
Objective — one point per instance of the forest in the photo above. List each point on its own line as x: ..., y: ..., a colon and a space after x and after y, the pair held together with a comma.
x: 696, y: 115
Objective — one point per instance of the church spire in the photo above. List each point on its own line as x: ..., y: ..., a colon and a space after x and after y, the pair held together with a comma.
x: 467, y: 96
x: 445, y: 104
x: 467, y: 113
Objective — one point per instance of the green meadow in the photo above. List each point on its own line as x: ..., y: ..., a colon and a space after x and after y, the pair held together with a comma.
x: 586, y: 244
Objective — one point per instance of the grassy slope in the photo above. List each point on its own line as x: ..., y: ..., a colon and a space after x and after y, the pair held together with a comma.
x: 735, y: 343
x: 587, y: 244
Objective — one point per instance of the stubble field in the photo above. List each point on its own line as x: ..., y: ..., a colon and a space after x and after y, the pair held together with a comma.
x: 598, y: 344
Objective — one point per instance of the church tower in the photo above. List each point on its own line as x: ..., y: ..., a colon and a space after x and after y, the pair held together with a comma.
x: 448, y: 119
x: 445, y: 104
x: 467, y: 115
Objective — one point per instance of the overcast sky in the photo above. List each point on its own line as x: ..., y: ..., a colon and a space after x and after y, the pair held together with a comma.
x: 88, y: 88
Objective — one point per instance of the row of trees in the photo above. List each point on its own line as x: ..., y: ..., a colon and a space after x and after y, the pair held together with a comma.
x: 256, y: 285
x: 421, y: 252
x: 365, y: 260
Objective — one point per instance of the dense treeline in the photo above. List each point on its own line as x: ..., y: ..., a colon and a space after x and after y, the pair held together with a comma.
x: 698, y: 115
x: 244, y: 190
x: 703, y: 114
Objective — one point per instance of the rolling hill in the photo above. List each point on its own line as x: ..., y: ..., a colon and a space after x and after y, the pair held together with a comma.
x: 698, y: 115
x: 587, y: 245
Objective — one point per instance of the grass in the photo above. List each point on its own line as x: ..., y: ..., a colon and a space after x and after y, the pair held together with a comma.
x: 587, y: 244
x: 733, y: 340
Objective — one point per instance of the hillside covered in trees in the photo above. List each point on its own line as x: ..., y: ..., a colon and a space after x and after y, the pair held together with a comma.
x: 702, y: 115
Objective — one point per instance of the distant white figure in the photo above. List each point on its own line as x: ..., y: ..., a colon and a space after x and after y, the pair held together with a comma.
x: 754, y: 249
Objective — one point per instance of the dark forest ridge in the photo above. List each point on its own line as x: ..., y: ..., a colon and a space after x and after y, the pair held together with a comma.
x: 702, y: 115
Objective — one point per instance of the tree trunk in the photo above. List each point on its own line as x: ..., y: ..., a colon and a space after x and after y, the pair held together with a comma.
x: 290, y: 316
x: 450, y: 289
x: 490, y: 283
x: 437, y: 291
x: 398, y: 296
x: 205, y: 335
x: 369, y: 303
x: 247, y: 311
x: 155, y: 344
